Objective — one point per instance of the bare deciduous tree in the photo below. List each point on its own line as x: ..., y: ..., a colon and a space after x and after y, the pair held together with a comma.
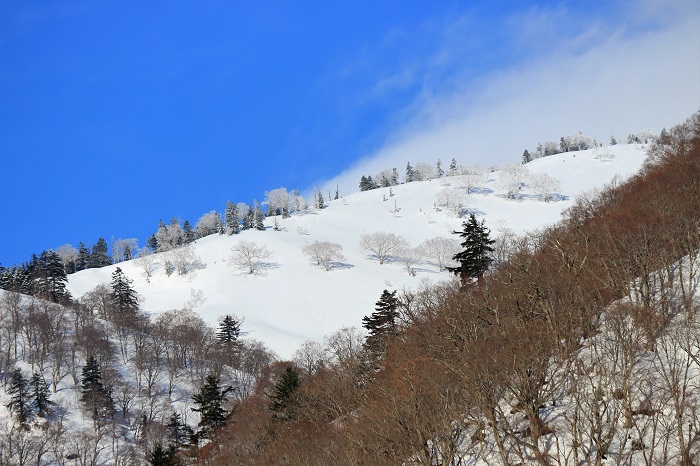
x: 324, y: 253
x: 248, y: 255
x: 440, y: 249
x: 382, y: 243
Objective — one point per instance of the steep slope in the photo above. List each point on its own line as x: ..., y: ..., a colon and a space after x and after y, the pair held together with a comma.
x: 291, y: 300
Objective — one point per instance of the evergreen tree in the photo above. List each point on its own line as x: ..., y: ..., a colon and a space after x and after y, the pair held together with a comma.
x: 179, y: 433
x: 97, y: 399
x: 228, y: 336
x: 40, y: 393
x: 152, y: 242
x: 210, y: 400
x: 233, y: 226
x: 160, y: 456
x: 613, y: 141
x: 258, y: 217
x: 99, y: 257
x: 381, y: 325
x: 410, y: 173
x: 82, y: 262
x: 249, y: 219
x: 394, y: 177
x: 453, y: 167
x: 282, y: 401
x: 123, y: 297
x: 188, y: 232
x: 527, y: 158
x: 48, y: 277
x: 20, y: 397
x: 440, y: 171
x: 320, y: 203
x: 363, y: 183
x: 475, y: 259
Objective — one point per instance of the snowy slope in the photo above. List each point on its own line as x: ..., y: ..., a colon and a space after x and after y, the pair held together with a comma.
x: 291, y: 300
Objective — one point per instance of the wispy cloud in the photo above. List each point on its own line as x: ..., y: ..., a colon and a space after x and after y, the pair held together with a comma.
x: 603, y: 76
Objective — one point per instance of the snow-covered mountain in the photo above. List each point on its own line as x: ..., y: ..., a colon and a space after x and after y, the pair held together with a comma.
x: 291, y: 300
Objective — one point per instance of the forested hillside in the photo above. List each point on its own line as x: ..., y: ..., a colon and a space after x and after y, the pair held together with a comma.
x: 581, y: 348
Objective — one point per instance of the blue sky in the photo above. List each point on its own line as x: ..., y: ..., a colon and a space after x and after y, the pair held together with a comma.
x: 114, y: 115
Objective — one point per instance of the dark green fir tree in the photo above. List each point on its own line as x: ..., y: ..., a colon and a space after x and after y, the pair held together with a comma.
x: 210, y: 401
x: 381, y: 324
x: 40, y: 394
x: 475, y: 259
x: 96, y: 398
x: 282, y: 401
x: 19, y: 390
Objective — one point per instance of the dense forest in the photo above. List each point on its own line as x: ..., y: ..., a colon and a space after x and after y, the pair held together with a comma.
x: 581, y: 347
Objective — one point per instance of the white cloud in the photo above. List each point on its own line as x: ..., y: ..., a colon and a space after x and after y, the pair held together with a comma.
x: 606, y: 79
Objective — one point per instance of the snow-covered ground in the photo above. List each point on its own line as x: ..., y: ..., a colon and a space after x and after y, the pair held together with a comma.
x: 292, y: 300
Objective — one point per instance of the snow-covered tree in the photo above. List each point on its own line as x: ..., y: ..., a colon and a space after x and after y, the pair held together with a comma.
x: 324, y: 253
x: 277, y: 202
x: 511, y: 179
x: 440, y: 249
x: 382, y: 244
x: 409, y: 257
x: 452, y: 171
x: 233, y: 225
x: 258, y: 217
x: 122, y: 296
x: 424, y: 172
x: 248, y: 255
x: 124, y: 249
x: 208, y: 224
x: 544, y: 184
x: 68, y: 255
x: 451, y: 198
x: 147, y: 262
x: 410, y: 174
x: 184, y: 259
x: 471, y: 177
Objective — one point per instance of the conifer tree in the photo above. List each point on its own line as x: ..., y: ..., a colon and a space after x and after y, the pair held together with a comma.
x: 410, y: 174
x: 40, y: 393
x: 20, y: 397
x: 233, y: 226
x: 475, y: 259
x: 249, y: 219
x: 228, y: 337
x: 453, y: 167
x: 210, y: 400
x: 48, y: 277
x: 179, y: 433
x: 381, y: 324
x: 97, y: 399
x: 123, y: 297
x: 258, y: 217
x: 99, y: 257
x: 320, y: 202
x: 82, y: 262
x: 161, y: 456
x: 440, y: 171
x: 188, y: 232
x: 282, y: 401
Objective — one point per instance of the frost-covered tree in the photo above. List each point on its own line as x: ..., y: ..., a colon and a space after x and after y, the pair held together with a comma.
x: 382, y: 244
x: 424, y: 172
x: 258, y: 217
x: 410, y: 174
x: 68, y: 255
x: 188, y: 233
x: 324, y: 253
x: 233, y: 225
x: 438, y: 169
x: 544, y: 184
x: 208, y: 224
x: 527, y: 158
x: 511, y: 179
x: 248, y: 255
x: 184, y: 259
x: 471, y: 177
x: 124, y: 249
x: 410, y: 257
x: 277, y: 202
x: 248, y: 219
x: 452, y: 171
x: 440, y: 249
x: 147, y: 262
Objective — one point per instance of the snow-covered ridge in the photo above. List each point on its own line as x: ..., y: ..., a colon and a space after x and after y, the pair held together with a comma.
x: 291, y: 300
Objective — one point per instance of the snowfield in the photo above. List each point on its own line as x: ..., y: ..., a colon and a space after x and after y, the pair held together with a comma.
x: 290, y: 300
